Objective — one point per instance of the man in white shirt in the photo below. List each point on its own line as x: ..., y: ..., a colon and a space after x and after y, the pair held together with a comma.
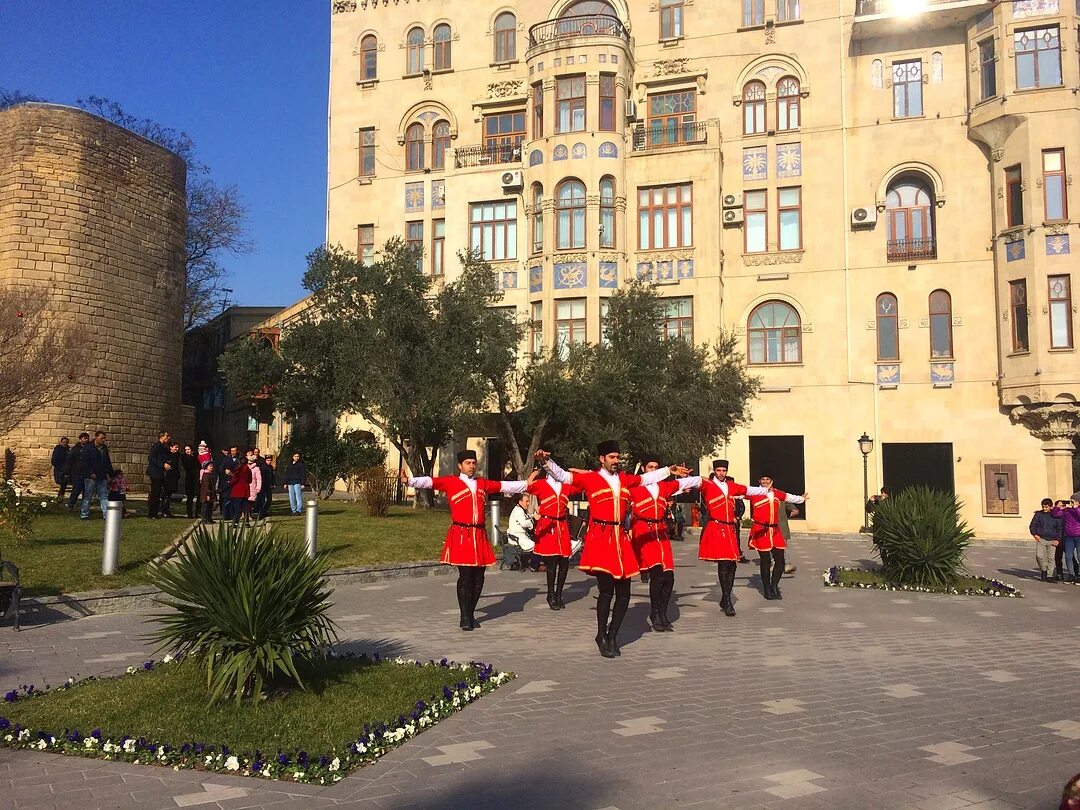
x: 520, y: 530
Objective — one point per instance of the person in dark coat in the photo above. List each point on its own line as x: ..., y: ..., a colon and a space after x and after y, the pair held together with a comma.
x: 295, y: 477
x: 1048, y: 532
x: 157, y: 465
x: 190, y: 464
x: 269, y: 480
x: 76, y: 466
x: 172, y: 480
x: 58, y: 460
x: 99, y: 469
x: 239, y: 489
x: 207, y: 492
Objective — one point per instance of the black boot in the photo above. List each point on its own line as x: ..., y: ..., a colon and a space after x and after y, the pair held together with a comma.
x: 464, y: 598
x: 563, y: 565
x: 777, y: 573
x: 654, y: 620
x: 605, y: 647
x: 668, y: 585
x: 613, y: 645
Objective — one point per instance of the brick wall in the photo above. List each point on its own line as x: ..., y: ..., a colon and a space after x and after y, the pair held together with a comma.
x: 97, y: 213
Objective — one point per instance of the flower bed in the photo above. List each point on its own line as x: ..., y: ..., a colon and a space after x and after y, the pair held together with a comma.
x: 966, y: 585
x: 46, y: 720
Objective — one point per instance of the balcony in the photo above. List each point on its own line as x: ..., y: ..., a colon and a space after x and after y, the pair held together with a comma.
x: 907, y: 250
x: 468, y: 156
x: 577, y: 27
x: 878, y: 18
x: 655, y: 137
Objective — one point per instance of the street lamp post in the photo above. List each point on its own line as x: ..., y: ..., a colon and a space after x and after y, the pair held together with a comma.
x: 866, y: 446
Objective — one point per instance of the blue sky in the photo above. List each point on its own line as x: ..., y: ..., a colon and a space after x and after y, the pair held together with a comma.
x: 247, y: 81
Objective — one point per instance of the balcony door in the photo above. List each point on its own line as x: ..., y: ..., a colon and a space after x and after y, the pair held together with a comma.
x: 910, y: 220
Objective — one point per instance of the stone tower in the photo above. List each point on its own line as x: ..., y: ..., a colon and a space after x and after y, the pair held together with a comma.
x: 97, y: 213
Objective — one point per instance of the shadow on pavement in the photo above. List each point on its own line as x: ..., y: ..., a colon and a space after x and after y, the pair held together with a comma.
x: 509, y: 603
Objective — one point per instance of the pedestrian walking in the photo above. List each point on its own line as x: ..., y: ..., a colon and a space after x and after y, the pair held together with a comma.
x: 1070, y: 515
x: 467, y: 545
x: 189, y: 463
x: 1047, y: 531
x: 58, y: 460
x: 76, y: 465
x: 98, y: 468
x: 157, y: 465
x: 295, y: 476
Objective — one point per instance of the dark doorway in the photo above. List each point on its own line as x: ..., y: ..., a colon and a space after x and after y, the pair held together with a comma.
x: 496, y: 459
x: 907, y: 464
x: 783, y: 457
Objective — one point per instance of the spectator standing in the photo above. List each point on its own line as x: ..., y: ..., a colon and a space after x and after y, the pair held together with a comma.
x: 255, y: 490
x: 872, y: 504
x: 239, y: 490
x: 76, y: 465
x: 118, y: 487
x: 1047, y: 532
x: 58, y: 460
x: 156, y: 467
x: 269, y: 473
x: 207, y: 490
x: 295, y: 476
x: 190, y: 464
x: 1071, y: 529
x: 99, y: 468
x: 224, y: 475
x: 259, y: 501
x: 172, y: 480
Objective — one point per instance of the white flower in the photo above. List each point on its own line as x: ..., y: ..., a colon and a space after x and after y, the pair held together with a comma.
x: 425, y: 721
x: 70, y: 681
x: 475, y: 691
x: 7, y: 738
x: 110, y: 747
x: 168, y: 659
x: 209, y: 759
x: 457, y: 702
x: 232, y: 764
x: 44, y: 504
x: 42, y: 745
x: 298, y: 775
x: 266, y: 771
x: 90, y: 742
x: 129, y: 746
x: 132, y: 670
x: 335, y: 764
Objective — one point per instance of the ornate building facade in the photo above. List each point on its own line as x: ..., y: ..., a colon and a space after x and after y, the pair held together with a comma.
x: 874, y: 193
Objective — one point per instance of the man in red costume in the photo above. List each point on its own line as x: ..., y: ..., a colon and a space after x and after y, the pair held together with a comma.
x: 649, y: 537
x: 608, y: 554
x: 552, y: 533
x: 720, y: 538
x: 467, y: 545
x: 765, y: 535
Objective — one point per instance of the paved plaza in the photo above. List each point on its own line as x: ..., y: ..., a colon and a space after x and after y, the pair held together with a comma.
x: 831, y: 698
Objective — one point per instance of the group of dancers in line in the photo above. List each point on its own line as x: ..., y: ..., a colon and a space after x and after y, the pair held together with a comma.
x: 612, y: 554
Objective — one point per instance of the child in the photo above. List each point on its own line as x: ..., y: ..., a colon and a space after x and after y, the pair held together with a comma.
x: 207, y: 490
x: 1045, y: 530
x: 118, y: 487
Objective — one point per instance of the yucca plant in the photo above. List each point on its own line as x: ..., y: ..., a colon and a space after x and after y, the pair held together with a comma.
x: 247, y: 604
x: 920, y: 537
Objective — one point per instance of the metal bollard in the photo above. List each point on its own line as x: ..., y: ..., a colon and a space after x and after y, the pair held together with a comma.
x: 311, y: 528
x: 110, y: 558
x: 495, y: 508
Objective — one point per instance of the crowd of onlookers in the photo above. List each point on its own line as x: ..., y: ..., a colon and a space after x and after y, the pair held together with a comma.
x: 235, y: 487
x: 1055, y: 528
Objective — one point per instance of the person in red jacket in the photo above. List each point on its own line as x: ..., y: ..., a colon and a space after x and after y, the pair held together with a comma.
x: 649, y: 537
x: 765, y: 535
x: 467, y: 545
x: 552, y: 533
x: 239, y: 490
x: 608, y: 554
x: 720, y: 537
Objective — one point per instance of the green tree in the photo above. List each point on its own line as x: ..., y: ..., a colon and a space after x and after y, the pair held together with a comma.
x: 252, y: 368
x: 330, y: 454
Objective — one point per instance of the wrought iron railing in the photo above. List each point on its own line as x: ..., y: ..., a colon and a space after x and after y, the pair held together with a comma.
x: 654, y: 136
x: 902, y: 250
x: 466, y: 156
x: 585, y: 25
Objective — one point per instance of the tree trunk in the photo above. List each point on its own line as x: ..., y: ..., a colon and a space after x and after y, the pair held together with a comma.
x: 421, y: 464
x: 516, y: 461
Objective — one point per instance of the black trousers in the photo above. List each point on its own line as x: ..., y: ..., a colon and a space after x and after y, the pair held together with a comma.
x: 470, y: 585
x: 556, y: 568
x: 154, y: 501
x: 191, y: 493
x: 661, y: 584
x: 611, y: 589
x: 208, y: 511
x: 775, y: 559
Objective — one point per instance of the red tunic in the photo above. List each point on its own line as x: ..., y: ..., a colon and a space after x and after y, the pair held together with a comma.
x: 552, y: 533
x: 765, y: 533
x: 466, y: 542
x: 607, y: 544
x: 719, y: 540
x: 648, y: 527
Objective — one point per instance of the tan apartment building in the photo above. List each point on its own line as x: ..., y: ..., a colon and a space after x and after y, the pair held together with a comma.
x: 874, y: 193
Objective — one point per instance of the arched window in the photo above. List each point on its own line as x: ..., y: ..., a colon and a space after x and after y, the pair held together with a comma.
x: 940, y: 324
x: 505, y: 37
x: 775, y: 334
x: 607, y: 212
x: 787, y: 104
x: 585, y: 8
x: 442, y: 46
x: 888, y: 333
x: 369, y: 58
x: 753, y: 108
x: 909, y: 206
x: 414, y: 147
x: 538, y: 218
x: 439, y: 144
x: 415, y: 50
x: 570, y: 215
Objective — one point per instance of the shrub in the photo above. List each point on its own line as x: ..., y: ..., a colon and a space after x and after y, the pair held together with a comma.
x: 377, y: 486
x: 18, y: 509
x: 920, y: 538
x: 246, y: 603
x: 330, y: 454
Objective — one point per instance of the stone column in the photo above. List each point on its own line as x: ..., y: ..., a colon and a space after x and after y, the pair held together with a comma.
x: 1057, y: 425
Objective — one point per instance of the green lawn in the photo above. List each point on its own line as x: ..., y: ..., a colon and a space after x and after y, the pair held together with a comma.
x: 64, y: 554
x: 168, y: 705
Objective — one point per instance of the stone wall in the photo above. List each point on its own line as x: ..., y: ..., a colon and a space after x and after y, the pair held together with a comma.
x: 97, y: 213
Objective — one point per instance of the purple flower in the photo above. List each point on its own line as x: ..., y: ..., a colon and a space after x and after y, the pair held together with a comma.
x: 11, y: 697
x: 324, y: 761
x: 283, y: 759
x: 4, y: 724
x: 444, y: 663
x: 183, y: 748
x: 74, y: 736
x: 256, y: 766
x: 420, y: 705
x: 148, y: 665
x: 224, y: 750
x: 302, y: 758
x: 96, y: 734
x: 447, y: 693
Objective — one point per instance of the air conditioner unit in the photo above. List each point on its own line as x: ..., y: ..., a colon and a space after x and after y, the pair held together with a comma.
x: 863, y: 217
x: 733, y: 216
x: 733, y: 200
x: 512, y: 180
x: 631, y: 110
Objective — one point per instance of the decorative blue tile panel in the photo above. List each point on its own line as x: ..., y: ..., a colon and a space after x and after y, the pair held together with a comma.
x: 665, y: 271
x: 570, y: 276
x: 755, y: 163
x: 609, y: 275
x: 789, y: 160
x: 610, y: 150
x: 1057, y: 244
x: 559, y: 152
x: 1033, y: 8
x: 414, y: 196
x: 644, y: 270
x: 684, y: 268
x: 536, y: 279
x: 509, y: 279
x: 1015, y: 251
x: 579, y: 151
x: 941, y: 373
x: 438, y: 194
x: 888, y: 375
x: 536, y: 157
